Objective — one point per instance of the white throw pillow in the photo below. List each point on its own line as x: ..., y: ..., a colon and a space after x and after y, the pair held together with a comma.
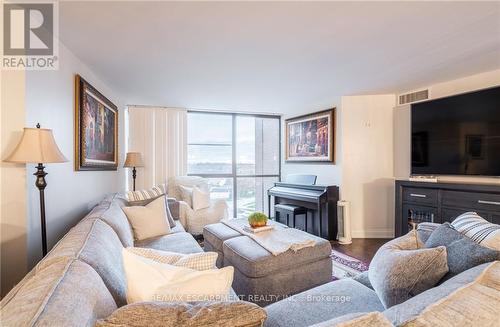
x: 201, y: 199
x: 196, y: 261
x: 148, y: 280
x: 149, y: 220
x: 187, y: 194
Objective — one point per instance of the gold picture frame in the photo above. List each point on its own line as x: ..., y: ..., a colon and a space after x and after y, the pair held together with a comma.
x: 96, y: 129
x: 311, y: 137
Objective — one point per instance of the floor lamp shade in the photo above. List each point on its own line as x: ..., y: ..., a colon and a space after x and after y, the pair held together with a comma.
x: 38, y: 145
x: 134, y: 159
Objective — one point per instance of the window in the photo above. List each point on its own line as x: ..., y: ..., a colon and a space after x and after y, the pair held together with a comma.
x: 239, y: 154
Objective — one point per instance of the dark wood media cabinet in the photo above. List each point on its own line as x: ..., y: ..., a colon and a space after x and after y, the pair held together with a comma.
x: 443, y: 201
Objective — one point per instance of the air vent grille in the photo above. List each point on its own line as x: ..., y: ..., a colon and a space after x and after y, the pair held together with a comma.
x: 413, y: 97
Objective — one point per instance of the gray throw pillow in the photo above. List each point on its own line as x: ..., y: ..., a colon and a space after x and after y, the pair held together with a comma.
x: 164, y: 314
x: 463, y: 253
x: 170, y: 218
x: 403, y: 268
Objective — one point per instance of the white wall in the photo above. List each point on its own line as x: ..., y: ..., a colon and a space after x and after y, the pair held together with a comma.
x: 367, y: 164
x: 13, y: 238
x: 402, y: 128
x: 48, y: 98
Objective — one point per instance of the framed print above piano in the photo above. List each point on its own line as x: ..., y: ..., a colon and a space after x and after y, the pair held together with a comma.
x: 311, y: 137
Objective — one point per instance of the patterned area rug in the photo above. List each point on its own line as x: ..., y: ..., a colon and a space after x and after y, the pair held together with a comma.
x: 345, y: 266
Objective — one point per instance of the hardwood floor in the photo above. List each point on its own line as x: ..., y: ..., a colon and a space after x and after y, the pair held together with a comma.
x: 361, y: 248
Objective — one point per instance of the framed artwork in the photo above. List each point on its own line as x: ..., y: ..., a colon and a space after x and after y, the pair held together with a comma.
x: 310, y: 138
x: 96, y: 129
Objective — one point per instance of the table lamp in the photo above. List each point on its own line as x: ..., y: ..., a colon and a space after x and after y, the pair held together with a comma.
x: 133, y: 160
x: 37, y: 145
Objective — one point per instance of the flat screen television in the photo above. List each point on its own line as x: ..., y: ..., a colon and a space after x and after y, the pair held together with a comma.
x: 457, y: 135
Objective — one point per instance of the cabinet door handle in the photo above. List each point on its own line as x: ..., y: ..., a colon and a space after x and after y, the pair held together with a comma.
x: 489, y: 202
x: 418, y: 195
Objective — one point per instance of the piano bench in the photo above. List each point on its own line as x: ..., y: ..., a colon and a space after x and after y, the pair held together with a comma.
x: 288, y: 211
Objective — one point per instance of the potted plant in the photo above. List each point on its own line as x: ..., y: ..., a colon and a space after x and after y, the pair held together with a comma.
x: 257, y: 219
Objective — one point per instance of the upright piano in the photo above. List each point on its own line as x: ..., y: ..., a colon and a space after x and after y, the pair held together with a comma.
x: 320, y: 202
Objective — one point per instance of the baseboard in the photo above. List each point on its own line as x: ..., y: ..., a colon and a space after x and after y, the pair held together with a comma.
x: 373, y: 233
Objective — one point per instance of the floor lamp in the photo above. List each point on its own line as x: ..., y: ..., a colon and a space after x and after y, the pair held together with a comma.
x: 37, y: 145
x: 133, y: 160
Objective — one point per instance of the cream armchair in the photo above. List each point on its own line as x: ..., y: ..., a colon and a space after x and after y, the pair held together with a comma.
x: 194, y: 220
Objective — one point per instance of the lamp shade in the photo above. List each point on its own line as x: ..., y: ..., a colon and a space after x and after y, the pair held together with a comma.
x: 37, y: 145
x: 133, y: 159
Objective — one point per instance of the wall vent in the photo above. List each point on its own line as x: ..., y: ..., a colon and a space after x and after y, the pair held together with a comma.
x: 413, y: 97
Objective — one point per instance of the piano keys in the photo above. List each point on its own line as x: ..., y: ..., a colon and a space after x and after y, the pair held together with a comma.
x: 320, y: 202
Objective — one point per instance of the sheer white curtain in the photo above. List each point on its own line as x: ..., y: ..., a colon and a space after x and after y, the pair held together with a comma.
x: 160, y: 134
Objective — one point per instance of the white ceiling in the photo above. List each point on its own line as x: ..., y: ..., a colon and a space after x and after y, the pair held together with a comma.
x: 278, y: 56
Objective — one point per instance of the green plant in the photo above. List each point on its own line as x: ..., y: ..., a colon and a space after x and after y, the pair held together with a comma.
x: 257, y: 219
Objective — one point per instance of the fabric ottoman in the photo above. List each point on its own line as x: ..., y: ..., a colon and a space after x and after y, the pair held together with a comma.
x: 214, y: 236
x: 263, y: 278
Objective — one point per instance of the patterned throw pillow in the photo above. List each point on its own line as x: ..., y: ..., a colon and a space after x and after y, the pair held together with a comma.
x: 403, y: 268
x: 478, y: 229
x: 159, y: 314
x: 141, y: 197
x: 196, y: 261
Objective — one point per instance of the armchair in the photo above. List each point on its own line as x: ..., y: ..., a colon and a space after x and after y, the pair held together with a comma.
x: 194, y: 220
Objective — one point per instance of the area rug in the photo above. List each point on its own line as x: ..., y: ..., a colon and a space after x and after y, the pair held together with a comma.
x: 345, y: 266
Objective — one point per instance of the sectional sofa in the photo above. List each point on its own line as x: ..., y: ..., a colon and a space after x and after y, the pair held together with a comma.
x: 82, y: 280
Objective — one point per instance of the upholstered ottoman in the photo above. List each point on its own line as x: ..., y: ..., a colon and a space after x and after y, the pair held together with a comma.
x: 214, y: 236
x: 263, y: 278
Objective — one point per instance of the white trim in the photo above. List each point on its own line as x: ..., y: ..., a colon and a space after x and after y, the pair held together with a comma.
x: 373, y: 233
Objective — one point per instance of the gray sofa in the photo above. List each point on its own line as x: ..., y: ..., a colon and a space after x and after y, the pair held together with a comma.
x: 346, y: 299
x: 82, y: 280
x: 82, y: 277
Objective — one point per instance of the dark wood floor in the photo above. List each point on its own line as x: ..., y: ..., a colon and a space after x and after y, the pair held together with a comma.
x: 361, y: 248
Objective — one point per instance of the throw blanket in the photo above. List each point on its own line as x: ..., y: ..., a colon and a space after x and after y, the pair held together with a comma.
x: 277, y: 240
